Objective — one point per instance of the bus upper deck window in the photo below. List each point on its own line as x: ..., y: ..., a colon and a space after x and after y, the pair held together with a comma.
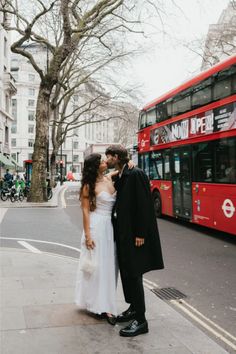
x: 222, y: 89
x: 151, y: 117
x: 143, y: 120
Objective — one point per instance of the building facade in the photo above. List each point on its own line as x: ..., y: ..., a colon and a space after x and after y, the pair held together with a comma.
x: 24, y: 124
x: 7, y: 89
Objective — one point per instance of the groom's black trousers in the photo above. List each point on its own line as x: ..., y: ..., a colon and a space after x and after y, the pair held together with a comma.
x: 134, y: 293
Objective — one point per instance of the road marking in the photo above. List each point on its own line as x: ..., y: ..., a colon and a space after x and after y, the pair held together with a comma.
x: 181, y: 304
x: 63, y: 201
x: 205, y: 325
x: 207, y: 319
x: 40, y: 241
x: 29, y: 247
x: 2, y: 213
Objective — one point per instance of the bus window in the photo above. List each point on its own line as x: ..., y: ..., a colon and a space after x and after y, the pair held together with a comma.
x: 142, y: 120
x: 225, y: 151
x: 156, y: 165
x: 201, y: 94
x: 143, y: 163
x: 234, y: 84
x: 222, y: 89
x: 181, y: 105
x: 161, y: 111
x: 151, y: 117
x: 203, y: 162
x: 166, y: 158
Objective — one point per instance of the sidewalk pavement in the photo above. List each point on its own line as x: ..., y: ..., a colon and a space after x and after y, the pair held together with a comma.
x: 38, y: 315
x: 52, y: 203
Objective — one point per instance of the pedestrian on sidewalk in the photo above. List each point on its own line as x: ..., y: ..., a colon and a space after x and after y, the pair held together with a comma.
x: 136, y: 237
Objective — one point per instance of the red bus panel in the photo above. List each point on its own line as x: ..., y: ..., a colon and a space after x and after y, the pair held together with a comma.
x: 165, y: 190
x: 215, y: 206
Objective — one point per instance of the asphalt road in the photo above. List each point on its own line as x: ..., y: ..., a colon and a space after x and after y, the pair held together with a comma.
x: 200, y: 263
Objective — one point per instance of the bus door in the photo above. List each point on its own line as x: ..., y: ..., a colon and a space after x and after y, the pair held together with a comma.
x: 181, y: 176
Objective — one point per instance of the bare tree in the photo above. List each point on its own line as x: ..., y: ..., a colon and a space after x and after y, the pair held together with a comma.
x: 78, y: 21
x: 220, y: 41
x: 93, y: 104
x: 90, y: 27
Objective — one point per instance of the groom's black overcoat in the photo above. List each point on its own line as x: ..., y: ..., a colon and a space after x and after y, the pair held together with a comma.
x: 135, y: 217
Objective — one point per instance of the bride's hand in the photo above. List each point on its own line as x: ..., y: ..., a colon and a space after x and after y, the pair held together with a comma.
x: 131, y: 164
x: 90, y: 244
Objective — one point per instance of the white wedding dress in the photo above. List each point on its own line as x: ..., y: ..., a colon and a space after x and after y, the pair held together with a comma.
x: 96, y: 292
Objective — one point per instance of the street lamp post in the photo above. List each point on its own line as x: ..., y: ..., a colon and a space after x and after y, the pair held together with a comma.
x: 72, y: 156
x: 61, y: 166
x: 48, y: 112
x: 17, y: 160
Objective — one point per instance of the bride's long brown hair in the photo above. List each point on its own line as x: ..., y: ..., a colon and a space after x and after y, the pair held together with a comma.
x: 89, y: 177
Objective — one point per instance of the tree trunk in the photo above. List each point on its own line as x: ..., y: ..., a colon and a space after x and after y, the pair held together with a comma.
x: 53, y: 166
x: 38, y: 190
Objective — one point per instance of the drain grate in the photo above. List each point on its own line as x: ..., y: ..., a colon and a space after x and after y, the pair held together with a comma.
x: 168, y: 293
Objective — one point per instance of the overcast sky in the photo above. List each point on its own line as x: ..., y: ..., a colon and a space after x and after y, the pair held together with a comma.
x: 168, y: 63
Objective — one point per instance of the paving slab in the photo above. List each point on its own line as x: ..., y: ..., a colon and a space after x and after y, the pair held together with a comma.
x: 38, y: 315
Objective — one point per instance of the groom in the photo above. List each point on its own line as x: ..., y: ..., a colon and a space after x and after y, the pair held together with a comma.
x: 136, y: 236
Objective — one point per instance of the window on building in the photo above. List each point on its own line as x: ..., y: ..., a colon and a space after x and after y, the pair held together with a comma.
x: 14, y: 108
x: 14, y: 156
x: 76, y: 132
x: 75, y: 158
x: 7, y: 103
x: 14, y: 129
x: 31, y: 77
x: 14, y: 64
x: 6, y: 135
x: 31, y: 129
x: 30, y: 142
x: 13, y: 142
x: 75, y: 145
x: 31, y: 115
x: 30, y: 156
x: 31, y: 103
x: 31, y: 92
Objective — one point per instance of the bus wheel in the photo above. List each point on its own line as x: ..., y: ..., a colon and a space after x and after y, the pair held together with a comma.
x: 157, y: 204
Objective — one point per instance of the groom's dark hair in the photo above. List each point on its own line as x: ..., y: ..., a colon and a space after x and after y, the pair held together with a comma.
x: 118, y: 150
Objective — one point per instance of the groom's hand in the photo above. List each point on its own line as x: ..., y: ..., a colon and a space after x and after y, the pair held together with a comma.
x: 139, y: 241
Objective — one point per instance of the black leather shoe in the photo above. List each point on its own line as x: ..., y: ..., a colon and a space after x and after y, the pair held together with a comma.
x: 111, y: 320
x: 134, y: 329
x: 126, y: 316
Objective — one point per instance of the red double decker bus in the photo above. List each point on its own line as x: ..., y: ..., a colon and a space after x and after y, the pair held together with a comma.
x: 187, y: 146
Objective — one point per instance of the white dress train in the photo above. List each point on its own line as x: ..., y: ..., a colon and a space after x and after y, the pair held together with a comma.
x: 97, y: 292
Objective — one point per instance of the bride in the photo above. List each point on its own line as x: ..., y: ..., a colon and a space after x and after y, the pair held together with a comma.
x: 96, y: 292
